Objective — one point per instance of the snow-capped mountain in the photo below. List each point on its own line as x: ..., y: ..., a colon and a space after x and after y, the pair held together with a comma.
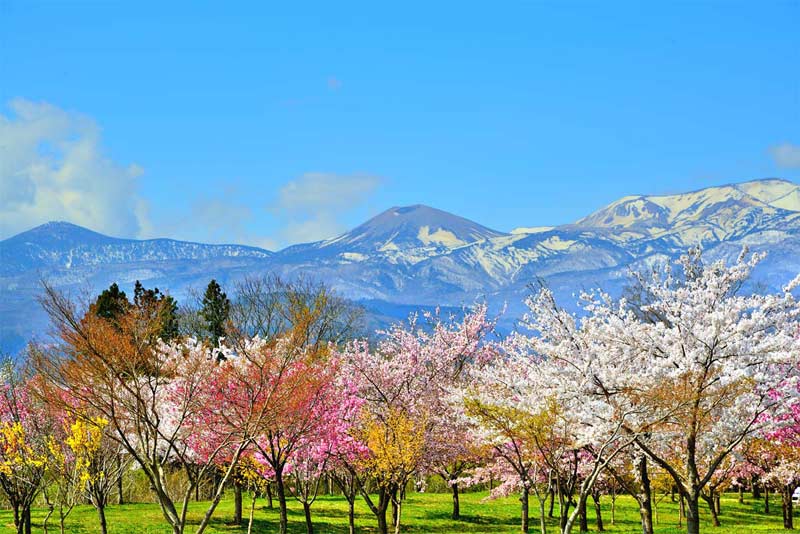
x: 62, y: 245
x: 701, y: 217
x: 418, y: 255
x: 399, y: 235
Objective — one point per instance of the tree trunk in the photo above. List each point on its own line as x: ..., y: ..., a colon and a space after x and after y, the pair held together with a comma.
x: 120, y: 497
x: 788, y: 512
x: 101, y: 513
x: 756, y: 489
x: 307, y: 513
x: 237, y: 503
x: 583, y: 524
x: 50, y: 510
x: 711, y: 508
x: 597, y: 511
x: 644, y: 496
x: 399, y: 514
x: 692, y: 514
x: 351, y: 515
x: 26, y: 518
x: 383, y: 528
x: 252, y: 512
x: 741, y: 494
x: 766, y: 501
x: 542, y: 520
x: 563, y: 505
x: 384, y: 498
x: 614, y: 505
x: 284, y: 519
x: 552, y: 502
x: 214, y: 483
x: 269, y: 496
x: 378, y: 510
x: 394, y: 500
x: 524, y: 500
x: 456, y: 504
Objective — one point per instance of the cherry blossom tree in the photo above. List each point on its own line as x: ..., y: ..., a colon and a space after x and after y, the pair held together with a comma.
x: 405, y: 382
x: 24, y: 427
x: 334, y: 412
x: 630, y: 472
x: 782, y: 446
x: 302, y: 388
x: 701, y: 378
x: 520, y: 440
x: 560, y: 369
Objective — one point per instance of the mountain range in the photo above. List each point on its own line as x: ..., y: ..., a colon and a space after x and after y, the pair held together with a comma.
x: 413, y: 256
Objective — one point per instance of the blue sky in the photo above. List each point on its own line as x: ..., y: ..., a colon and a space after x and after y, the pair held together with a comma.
x: 271, y: 124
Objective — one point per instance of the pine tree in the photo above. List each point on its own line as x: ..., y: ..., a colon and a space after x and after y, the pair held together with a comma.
x: 111, y: 303
x: 169, y: 318
x: 153, y: 301
x: 216, y: 310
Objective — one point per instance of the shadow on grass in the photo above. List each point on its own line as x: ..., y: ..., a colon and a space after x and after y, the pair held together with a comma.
x: 445, y: 516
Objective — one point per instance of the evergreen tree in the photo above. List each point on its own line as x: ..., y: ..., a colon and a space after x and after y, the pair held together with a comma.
x: 216, y: 311
x: 111, y: 303
x: 169, y: 318
x: 145, y: 298
x: 153, y: 301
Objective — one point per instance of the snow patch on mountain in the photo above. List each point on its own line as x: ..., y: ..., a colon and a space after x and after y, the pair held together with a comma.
x: 440, y: 237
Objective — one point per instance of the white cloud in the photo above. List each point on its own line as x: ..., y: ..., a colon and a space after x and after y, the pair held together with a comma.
x: 313, y: 228
x: 786, y: 155
x: 52, y: 168
x: 311, y: 207
x: 218, y: 214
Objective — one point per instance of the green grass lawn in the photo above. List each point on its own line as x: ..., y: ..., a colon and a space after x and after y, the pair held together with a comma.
x: 422, y: 513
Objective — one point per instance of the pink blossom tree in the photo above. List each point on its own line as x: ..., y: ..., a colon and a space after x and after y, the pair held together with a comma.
x: 24, y: 427
x: 405, y: 380
x: 327, y: 442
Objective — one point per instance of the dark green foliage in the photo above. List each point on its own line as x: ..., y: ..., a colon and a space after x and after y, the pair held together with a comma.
x: 111, y: 303
x: 169, y: 318
x: 164, y: 307
x: 216, y: 311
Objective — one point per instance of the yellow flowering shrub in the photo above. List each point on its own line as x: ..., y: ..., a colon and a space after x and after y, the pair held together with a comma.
x: 15, y: 452
x: 396, y: 443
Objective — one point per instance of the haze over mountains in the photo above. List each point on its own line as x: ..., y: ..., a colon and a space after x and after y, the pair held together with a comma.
x: 418, y: 255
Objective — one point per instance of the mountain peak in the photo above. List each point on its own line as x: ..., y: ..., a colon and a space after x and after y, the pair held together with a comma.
x: 414, y: 208
x: 776, y: 192
x: 60, y: 225
x: 709, y: 214
x: 414, y: 227
x: 60, y: 233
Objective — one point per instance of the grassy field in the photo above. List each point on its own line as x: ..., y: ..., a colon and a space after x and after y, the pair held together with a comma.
x: 422, y: 513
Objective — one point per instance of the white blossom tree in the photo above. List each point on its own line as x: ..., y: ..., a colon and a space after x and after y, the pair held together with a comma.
x: 702, y: 376
x: 685, y: 377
